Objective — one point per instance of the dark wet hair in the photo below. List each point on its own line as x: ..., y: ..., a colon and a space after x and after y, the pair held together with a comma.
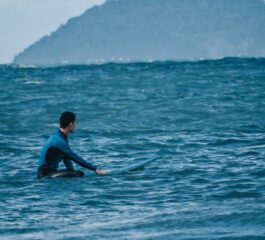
x: 66, y: 118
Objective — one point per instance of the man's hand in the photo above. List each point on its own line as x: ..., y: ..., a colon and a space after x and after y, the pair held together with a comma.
x: 98, y: 171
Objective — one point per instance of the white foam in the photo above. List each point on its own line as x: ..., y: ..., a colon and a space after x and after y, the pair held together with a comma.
x: 36, y: 82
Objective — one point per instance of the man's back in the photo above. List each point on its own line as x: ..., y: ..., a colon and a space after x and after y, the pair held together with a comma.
x: 49, y: 156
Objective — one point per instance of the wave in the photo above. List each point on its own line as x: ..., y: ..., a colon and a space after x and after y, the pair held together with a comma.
x: 101, y: 62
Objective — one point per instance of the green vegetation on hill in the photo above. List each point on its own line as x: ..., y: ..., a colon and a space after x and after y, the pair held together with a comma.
x: 155, y: 29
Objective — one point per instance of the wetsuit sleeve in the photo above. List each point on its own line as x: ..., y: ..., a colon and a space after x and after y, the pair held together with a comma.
x: 74, y: 157
x: 68, y: 164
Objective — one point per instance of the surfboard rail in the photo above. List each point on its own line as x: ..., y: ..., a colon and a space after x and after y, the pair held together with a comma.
x: 133, y: 167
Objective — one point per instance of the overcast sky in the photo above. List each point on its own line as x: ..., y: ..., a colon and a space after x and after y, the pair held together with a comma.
x: 22, y: 22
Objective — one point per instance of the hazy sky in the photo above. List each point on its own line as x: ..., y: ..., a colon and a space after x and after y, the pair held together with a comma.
x: 23, y: 22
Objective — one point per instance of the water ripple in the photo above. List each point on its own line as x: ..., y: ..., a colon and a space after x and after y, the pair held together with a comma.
x: 203, y: 121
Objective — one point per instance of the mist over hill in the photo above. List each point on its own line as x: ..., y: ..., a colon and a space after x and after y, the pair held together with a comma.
x: 155, y: 30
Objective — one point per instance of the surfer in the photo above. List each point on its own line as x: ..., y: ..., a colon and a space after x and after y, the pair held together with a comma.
x: 57, y: 150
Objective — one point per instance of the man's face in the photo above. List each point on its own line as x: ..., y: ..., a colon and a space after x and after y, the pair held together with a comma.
x: 72, y: 127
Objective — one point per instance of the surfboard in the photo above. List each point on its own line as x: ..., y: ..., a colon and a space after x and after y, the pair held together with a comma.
x: 133, y: 167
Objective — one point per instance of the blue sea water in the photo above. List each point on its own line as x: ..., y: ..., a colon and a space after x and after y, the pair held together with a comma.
x: 202, y: 120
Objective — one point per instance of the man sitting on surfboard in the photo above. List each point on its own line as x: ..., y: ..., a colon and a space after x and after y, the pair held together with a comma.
x: 57, y: 150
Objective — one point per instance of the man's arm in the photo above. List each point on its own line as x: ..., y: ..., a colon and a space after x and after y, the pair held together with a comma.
x: 64, y: 147
x: 68, y: 164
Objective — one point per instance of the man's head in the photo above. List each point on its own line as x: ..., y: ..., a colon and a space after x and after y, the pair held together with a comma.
x: 67, y: 121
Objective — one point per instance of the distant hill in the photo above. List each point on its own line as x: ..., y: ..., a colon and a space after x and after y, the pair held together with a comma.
x: 155, y: 29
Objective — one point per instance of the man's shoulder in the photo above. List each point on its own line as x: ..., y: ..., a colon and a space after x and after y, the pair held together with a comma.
x: 58, y: 137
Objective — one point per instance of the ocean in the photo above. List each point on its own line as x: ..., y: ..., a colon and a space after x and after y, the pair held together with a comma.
x: 202, y: 120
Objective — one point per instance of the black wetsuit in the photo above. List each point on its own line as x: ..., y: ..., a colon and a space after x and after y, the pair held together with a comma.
x: 57, y: 150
